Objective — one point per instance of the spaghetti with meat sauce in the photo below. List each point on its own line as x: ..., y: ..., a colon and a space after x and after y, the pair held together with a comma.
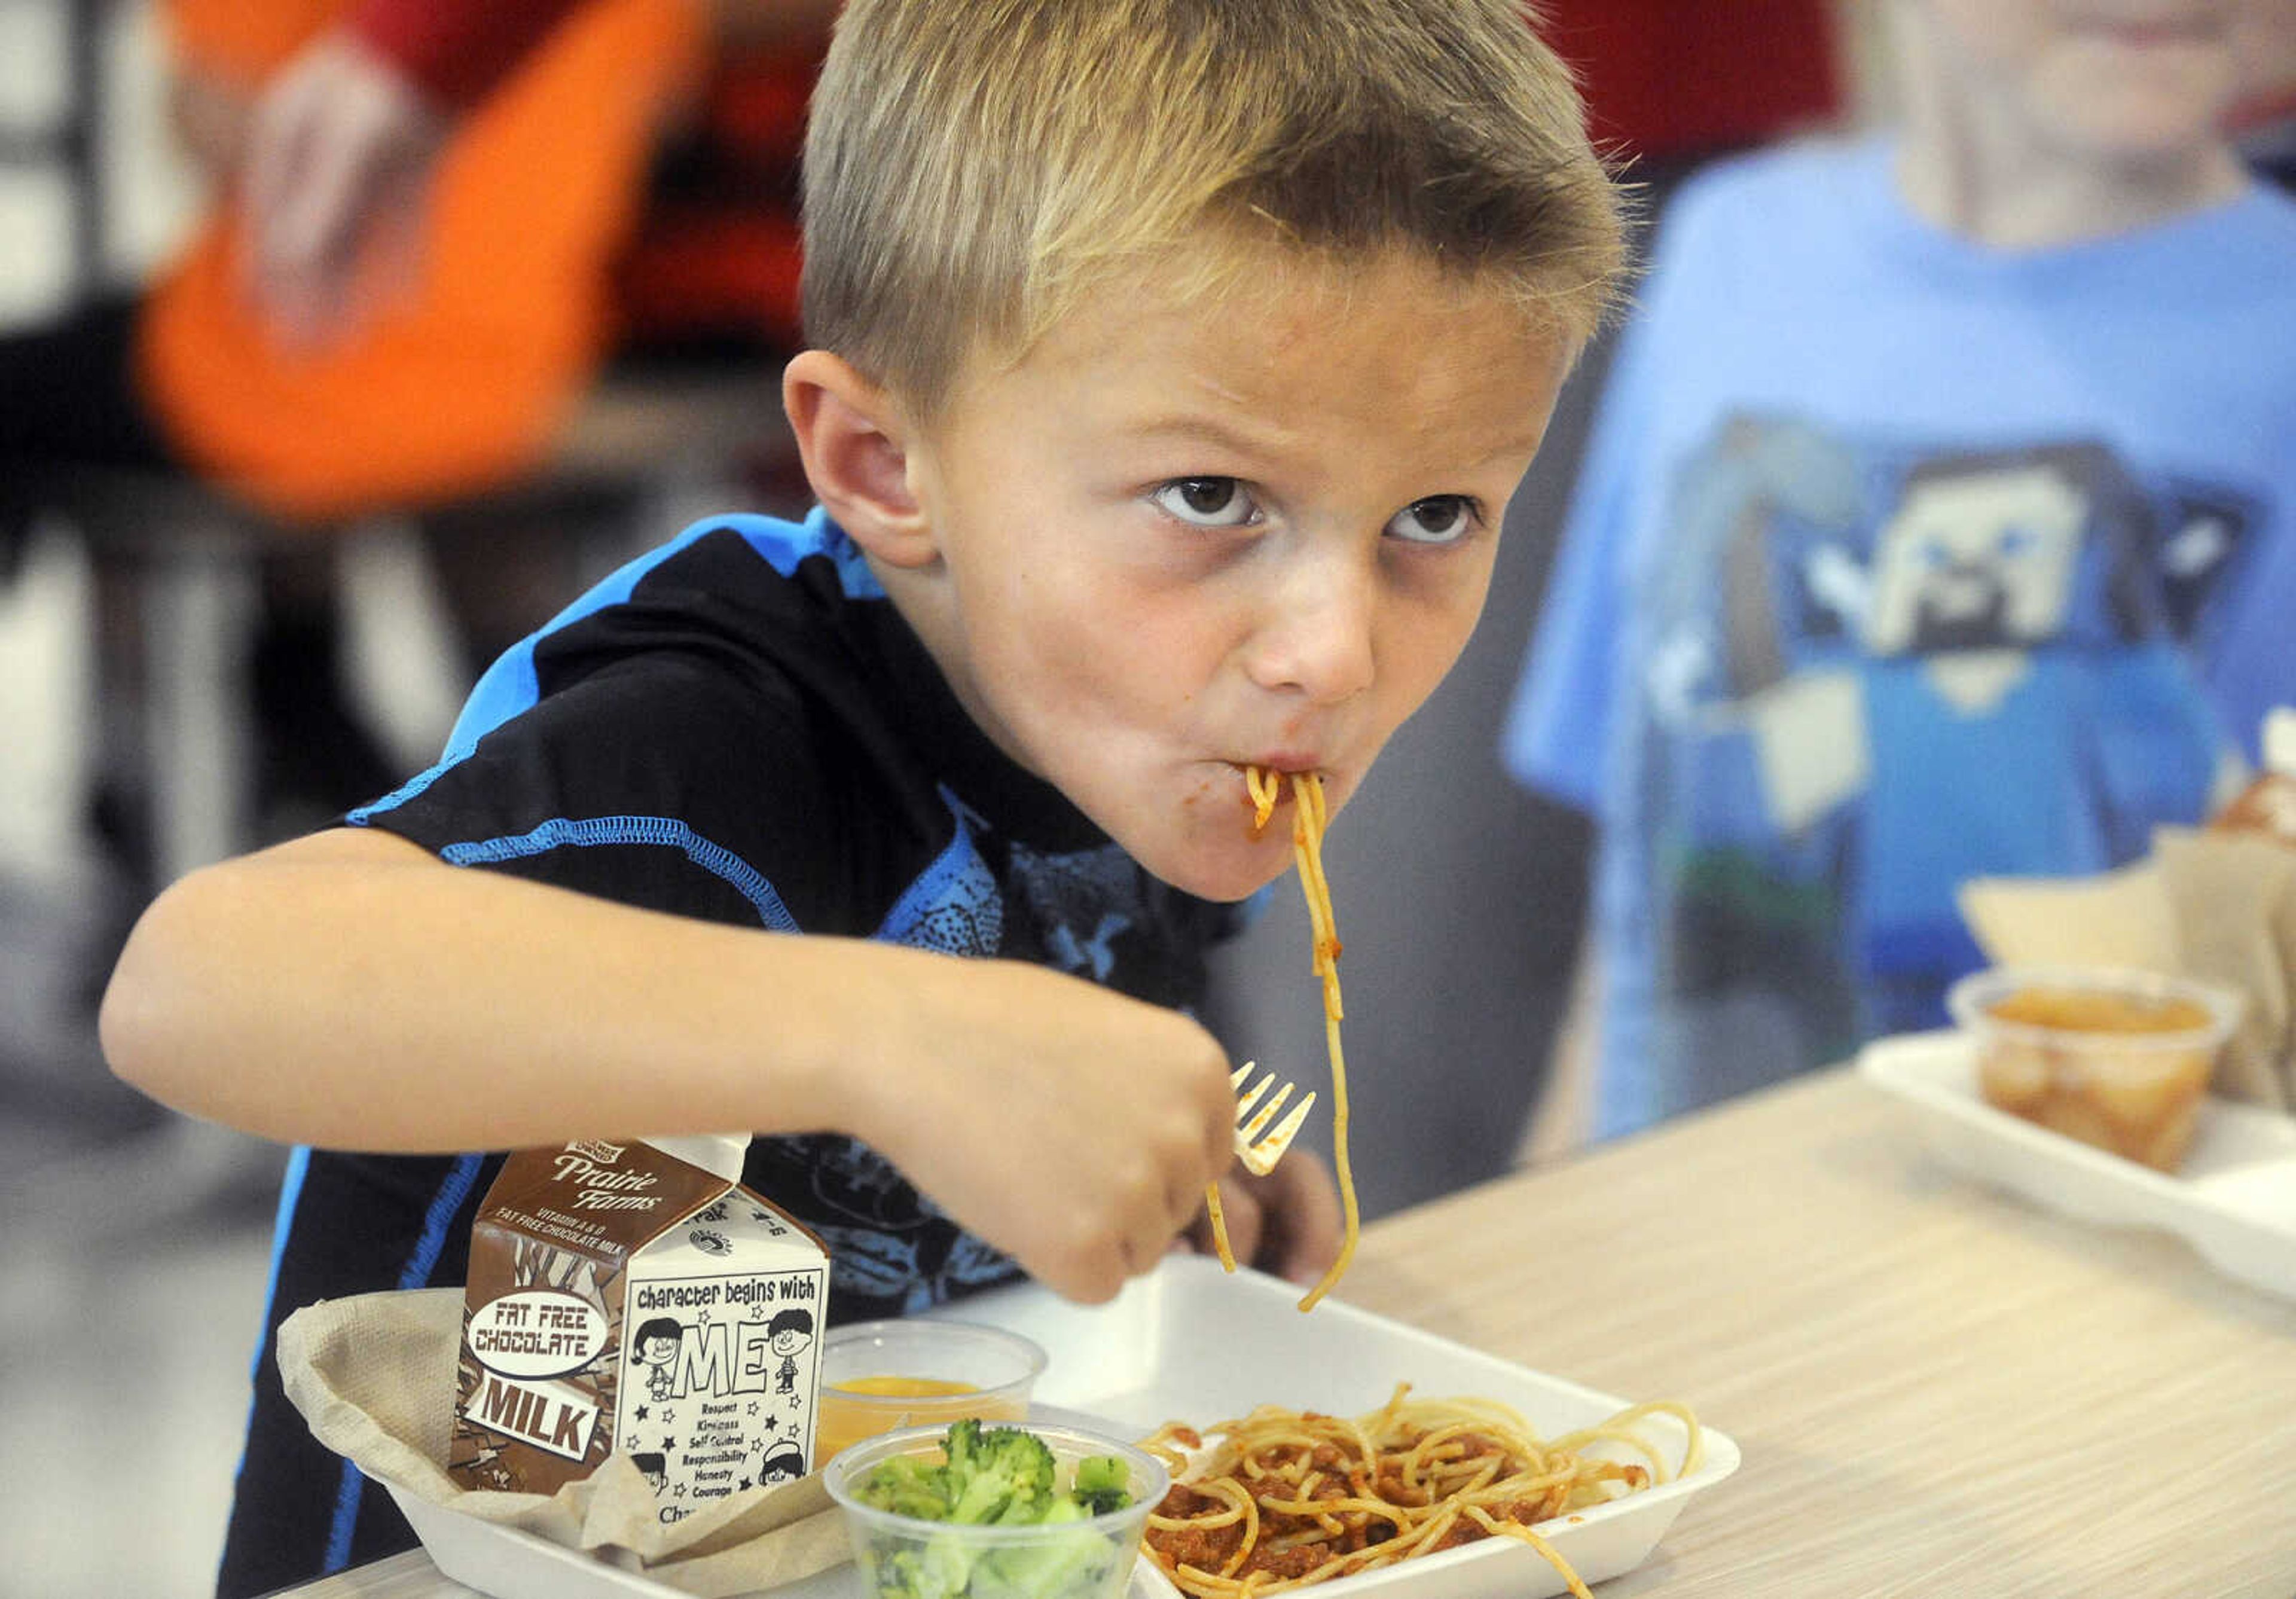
x: 1287, y: 1498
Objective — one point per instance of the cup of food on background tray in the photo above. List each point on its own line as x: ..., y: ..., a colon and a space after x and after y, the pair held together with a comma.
x: 2118, y: 1059
x: 877, y: 1376
x: 1019, y: 1511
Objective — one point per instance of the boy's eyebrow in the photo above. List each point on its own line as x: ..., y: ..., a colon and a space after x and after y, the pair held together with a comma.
x: 1189, y: 427
x: 1196, y: 428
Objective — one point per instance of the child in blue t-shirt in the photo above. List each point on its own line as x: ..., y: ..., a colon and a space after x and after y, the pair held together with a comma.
x: 1936, y: 522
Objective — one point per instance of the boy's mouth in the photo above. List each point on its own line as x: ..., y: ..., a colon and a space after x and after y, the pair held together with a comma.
x: 1266, y: 783
x: 1271, y: 772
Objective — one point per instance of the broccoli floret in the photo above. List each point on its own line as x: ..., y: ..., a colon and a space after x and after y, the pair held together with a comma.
x: 963, y: 1444
x: 1103, y: 1483
x: 1000, y: 1474
x: 909, y: 1487
x: 992, y: 1474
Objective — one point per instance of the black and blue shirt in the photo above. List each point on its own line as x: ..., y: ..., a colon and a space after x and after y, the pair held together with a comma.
x: 737, y: 726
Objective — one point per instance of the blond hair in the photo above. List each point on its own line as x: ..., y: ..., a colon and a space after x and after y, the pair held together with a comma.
x: 973, y: 166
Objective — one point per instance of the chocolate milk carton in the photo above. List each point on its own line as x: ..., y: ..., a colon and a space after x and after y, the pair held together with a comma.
x: 634, y: 1297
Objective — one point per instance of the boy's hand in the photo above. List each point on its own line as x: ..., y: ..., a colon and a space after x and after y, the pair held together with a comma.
x: 1287, y: 1222
x: 1071, y: 1126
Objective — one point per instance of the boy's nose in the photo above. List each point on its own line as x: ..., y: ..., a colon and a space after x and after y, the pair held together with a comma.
x: 1314, y: 636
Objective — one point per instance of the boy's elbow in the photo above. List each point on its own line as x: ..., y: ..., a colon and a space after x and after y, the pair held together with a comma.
x: 142, y: 1024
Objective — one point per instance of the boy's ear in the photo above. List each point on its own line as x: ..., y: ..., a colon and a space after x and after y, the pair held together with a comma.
x: 854, y: 441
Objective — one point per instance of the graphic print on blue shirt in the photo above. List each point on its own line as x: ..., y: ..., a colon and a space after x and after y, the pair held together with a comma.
x: 953, y: 907
x: 1873, y: 670
x: 1082, y: 899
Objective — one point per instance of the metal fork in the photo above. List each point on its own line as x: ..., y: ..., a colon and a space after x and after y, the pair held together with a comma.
x: 1256, y: 1144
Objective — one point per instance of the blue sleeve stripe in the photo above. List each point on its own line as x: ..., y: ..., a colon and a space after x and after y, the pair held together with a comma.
x: 509, y: 687
x: 462, y: 1177
x: 564, y: 831
x: 290, y: 1193
x: 784, y: 545
x: 363, y: 815
x: 351, y: 1487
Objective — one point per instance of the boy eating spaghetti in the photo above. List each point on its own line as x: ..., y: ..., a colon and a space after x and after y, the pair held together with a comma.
x: 1170, y: 365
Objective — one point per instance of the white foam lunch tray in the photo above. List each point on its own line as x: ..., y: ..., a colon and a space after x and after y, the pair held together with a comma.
x: 1190, y: 1342
x: 2233, y: 1197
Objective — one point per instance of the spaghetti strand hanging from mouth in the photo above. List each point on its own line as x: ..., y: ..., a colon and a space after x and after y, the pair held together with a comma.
x: 1266, y: 788
x: 1310, y: 816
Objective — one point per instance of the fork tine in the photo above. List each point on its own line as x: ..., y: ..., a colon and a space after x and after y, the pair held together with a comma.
x: 1245, y: 1101
x: 1259, y: 1146
x: 1260, y: 1156
x: 1250, y: 1130
x: 1288, y: 1127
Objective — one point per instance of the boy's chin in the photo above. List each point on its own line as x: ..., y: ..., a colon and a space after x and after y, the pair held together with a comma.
x: 1232, y: 878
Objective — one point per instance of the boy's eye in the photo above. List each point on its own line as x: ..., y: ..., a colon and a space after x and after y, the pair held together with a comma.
x: 1439, y: 519
x: 1206, y: 502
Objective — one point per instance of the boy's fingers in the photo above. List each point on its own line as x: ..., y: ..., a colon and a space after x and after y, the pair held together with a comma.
x: 1300, y: 1203
x: 1088, y: 1272
x: 1136, y: 1227
x: 1246, y: 1216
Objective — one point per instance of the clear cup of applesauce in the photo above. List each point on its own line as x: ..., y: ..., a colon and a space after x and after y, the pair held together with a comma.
x: 2118, y: 1059
x: 923, y: 1371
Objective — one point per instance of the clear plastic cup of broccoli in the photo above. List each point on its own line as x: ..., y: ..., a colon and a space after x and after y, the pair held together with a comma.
x: 982, y: 1510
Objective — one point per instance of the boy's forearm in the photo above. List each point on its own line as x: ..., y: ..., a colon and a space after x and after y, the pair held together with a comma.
x: 349, y: 990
